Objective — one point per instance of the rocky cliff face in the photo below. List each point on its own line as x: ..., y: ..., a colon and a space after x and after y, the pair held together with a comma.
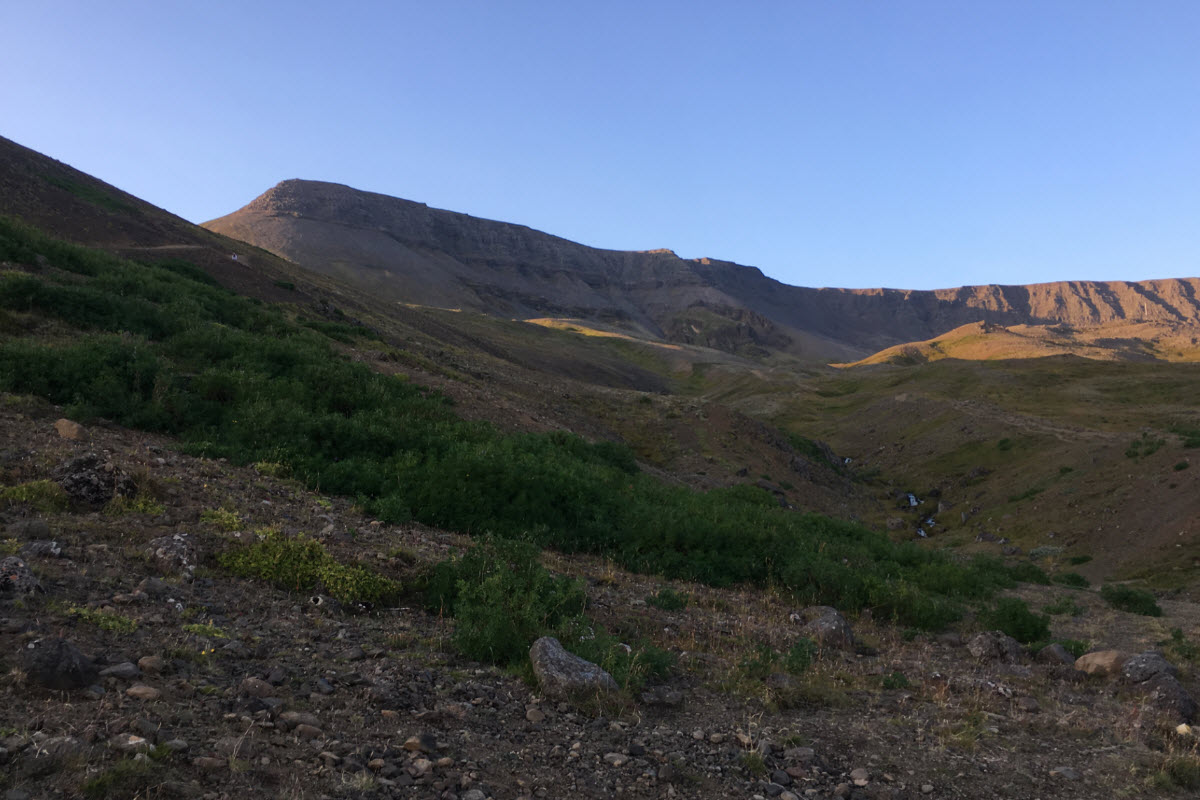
x: 409, y: 252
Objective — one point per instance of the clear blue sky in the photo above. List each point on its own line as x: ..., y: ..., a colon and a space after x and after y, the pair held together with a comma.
x: 857, y: 143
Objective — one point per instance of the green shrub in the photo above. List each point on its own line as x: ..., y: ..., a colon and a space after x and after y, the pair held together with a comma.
x: 1072, y: 579
x: 1180, y: 466
x: 45, y: 496
x: 302, y: 564
x: 1180, y: 647
x: 1013, y: 617
x: 800, y: 656
x: 1184, y: 771
x: 668, y: 599
x: 131, y: 777
x: 1063, y: 605
x: 896, y: 680
x: 502, y: 599
x: 1077, y: 560
x: 760, y: 663
x: 1127, y: 598
x: 1028, y: 572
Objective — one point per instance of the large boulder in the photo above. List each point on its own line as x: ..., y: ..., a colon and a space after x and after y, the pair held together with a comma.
x: 1144, y: 666
x: 566, y: 676
x: 1055, y: 655
x: 58, y: 664
x: 995, y: 646
x: 1101, y: 662
x: 17, y: 578
x: 826, y: 626
x: 1168, y: 695
x: 92, y: 481
x: 174, y: 555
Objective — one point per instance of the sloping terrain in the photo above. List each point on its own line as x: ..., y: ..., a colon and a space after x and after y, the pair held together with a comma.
x: 412, y: 253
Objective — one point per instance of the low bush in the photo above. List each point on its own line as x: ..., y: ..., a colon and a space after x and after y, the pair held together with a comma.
x: 1012, y: 616
x: 1127, y: 598
x: 302, y: 564
x: 1072, y: 579
x: 668, y: 599
x: 44, y: 496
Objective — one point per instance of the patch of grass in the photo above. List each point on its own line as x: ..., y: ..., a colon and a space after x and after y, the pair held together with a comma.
x: 205, y: 629
x: 753, y: 763
x: 1072, y: 579
x: 800, y: 656
x: 1145, y: 446
x: 224, y: 518
x: 895, y: 680
x: 1026, y: 495
x: 1180, y: 466
x: 1182, y: 772
x: 1190, y: 435
x: 91, y: 194
x: 1063, y: 605
x: 1127, y: 598
x: 1004, y: 445
x: 130, y: 777
x: 1013, y: 617
x: 272, y: 469
x: 288, y: 285
x: 43, y: 495
x: 668, y: 599
x: 1077, y: 560
x: 302, y: 564
x: 1180, y: 647
x: 140, y: 504
x: 104, y: 620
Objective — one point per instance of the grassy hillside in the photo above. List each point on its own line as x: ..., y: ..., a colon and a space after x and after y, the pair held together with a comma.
x: 158, y: 347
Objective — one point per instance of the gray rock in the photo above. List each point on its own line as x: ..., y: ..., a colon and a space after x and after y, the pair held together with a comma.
x: 92, y: 481
x: 1055, y: 654
x: 17, y: 578
x: 827, y: 627
x: 174, y: 555
x: 42, y: 548
x: 995, y: 646
x: 1144, y: 666
x: 126, y: 670
x: 1167, y: 694
x: 58, y: 664
x: 565, y: 676
x: 1065, y: 773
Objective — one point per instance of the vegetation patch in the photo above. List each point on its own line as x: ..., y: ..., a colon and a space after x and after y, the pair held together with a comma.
x: 104, y: 620
x: 244, y: 381
x: 1012, y: 616
x: 302, y: 564
x: 45, y: 496
x: 668, y: 599
x: 1072, y: 579
x: 1127, y: 598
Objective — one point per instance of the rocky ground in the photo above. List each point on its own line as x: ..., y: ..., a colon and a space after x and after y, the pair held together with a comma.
x: 134, y: 666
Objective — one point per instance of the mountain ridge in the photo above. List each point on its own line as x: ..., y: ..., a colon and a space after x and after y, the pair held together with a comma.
x: 411, y: 252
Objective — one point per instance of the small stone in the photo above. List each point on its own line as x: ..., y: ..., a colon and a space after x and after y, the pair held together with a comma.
x: 126, y: 671
x: 666, y: 773
x: 176, y: 745
x: 376, y: 764
x: 140, y: 691
x: 294, y: 718
x: 421, y: 743
x: 323, y: 686
x: 1054, y: 654
x: 69, y: 429
x: 420, y: 767
x: 995, y: 646
x: 152, y: 664
x: 534, y: 715
x: 860, y: 777
x: 257, y: 687
x: 17, y: 578
x: 209, y: 764
x: 130, y: 743
x: 1144, y: 666
x: 716, y: 738
x: 355, y: 654
x: 841, y: 790
x: 1066, y: 773
x: 781, y: 777
x: 306, y: 732
x: 1028, y: 704
x: 616, y: 759
x: 473, y: 794
x: 926, y: 788
x: 42, y: 548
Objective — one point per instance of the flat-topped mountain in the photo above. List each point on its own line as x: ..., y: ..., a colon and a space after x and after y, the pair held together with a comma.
x: 411, y: 253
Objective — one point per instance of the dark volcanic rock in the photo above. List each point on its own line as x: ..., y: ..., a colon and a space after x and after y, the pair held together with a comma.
x: 58, y: 664
x: 565, y: 676
x: 92, y: 481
